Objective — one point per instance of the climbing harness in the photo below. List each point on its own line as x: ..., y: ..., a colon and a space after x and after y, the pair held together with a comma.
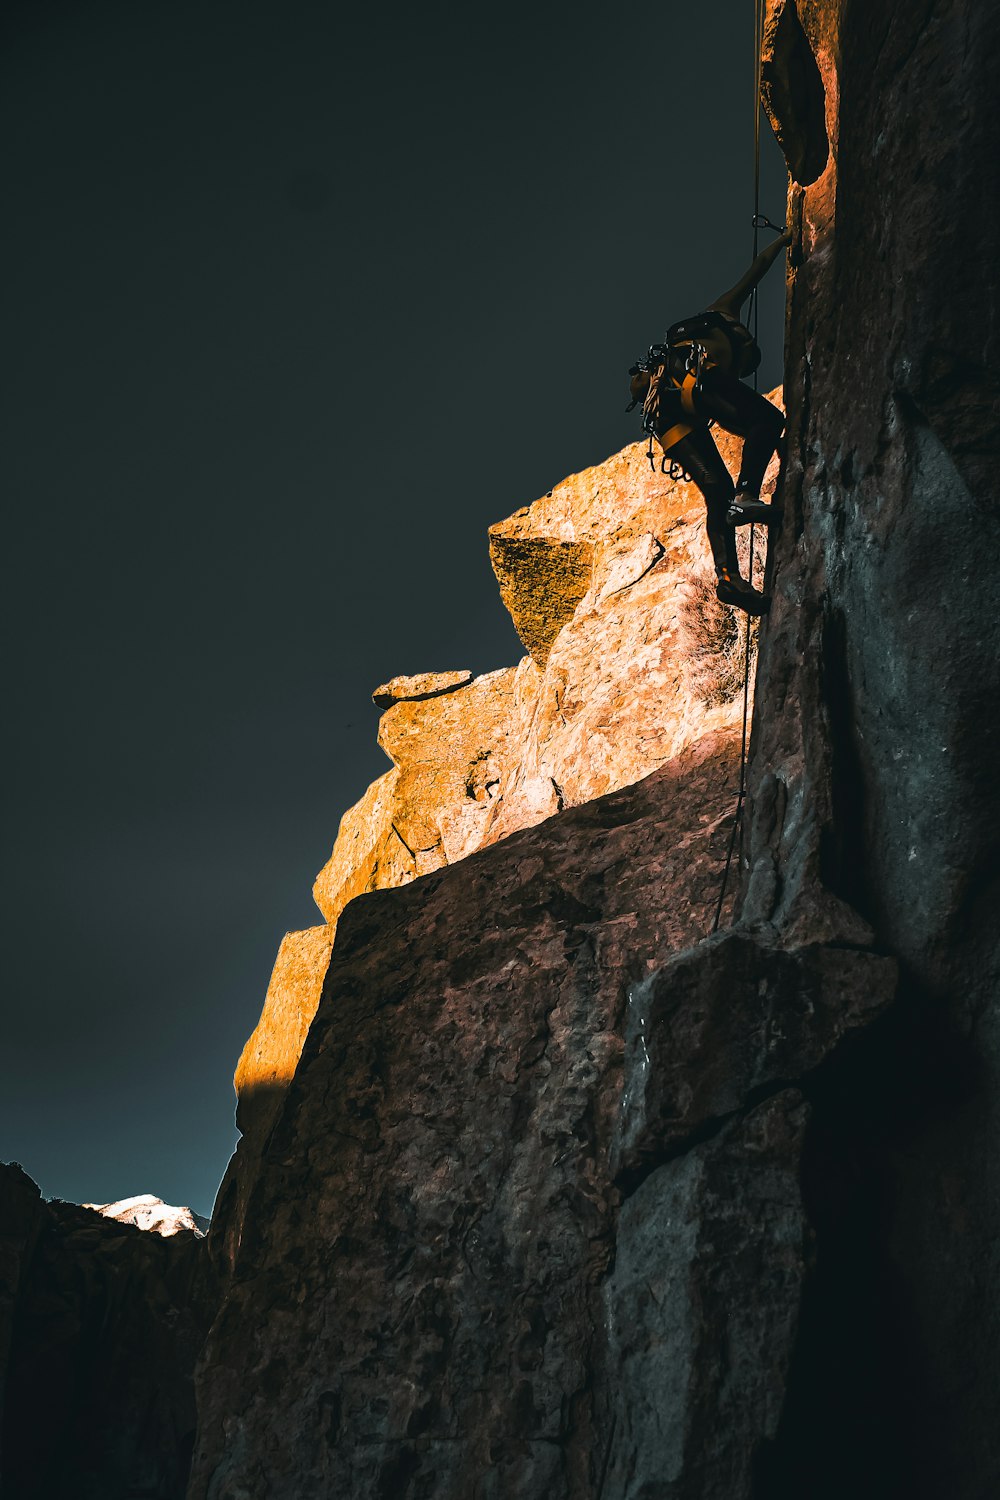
x: 669, y: 377
x: 667, y: 390
x: 759, y: 221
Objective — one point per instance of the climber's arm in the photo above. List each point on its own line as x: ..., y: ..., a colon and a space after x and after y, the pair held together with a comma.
x: 731, y: 301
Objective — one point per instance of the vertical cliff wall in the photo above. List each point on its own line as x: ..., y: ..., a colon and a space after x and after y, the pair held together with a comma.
x: 875, y: 735
x: 568, y: 1202
x: 631, y: 660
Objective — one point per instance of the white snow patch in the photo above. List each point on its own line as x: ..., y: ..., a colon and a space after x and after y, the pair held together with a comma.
x: 147, y: 1212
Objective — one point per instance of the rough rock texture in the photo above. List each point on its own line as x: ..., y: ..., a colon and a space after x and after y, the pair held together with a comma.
x: 100, y: 1327
x: 702, y: 1310
x: 727, y: 1021
x: 564, y: 1202
x: 416, y: 689
x: 542, y: 580
x: 449, y: 762
x: 648, y: 662
x: 793, y: 88
x: 416, y: 1307
x: 265, y: 1065
x: 873, y: 780
x: 704, y: 781
x: 639, y: 661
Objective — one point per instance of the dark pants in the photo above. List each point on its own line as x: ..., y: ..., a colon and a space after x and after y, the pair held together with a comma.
x: 725, y: 400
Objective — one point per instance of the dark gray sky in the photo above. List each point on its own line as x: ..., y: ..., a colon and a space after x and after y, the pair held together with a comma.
x: 296, y: 305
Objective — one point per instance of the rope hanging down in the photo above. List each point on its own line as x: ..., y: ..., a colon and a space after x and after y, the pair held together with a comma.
x: 759, y: 221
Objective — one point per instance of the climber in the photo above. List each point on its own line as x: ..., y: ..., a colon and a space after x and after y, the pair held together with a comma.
x: 694, y: 379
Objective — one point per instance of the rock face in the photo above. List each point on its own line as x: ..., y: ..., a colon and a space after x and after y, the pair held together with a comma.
x: 268, y: 1060
x: 728, y: 1021
x: 438, y: 1328
x: 100, y: 1326
x: 631, y: 661
x: 545, y: 1190
x: 873, y: 783
x: 702, y: 1309
x: 416, y: 689
x: 441, y: 1177
x: 567, y: 1198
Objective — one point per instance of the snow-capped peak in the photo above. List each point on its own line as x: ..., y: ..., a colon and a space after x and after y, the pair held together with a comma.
x: 147, y: 1212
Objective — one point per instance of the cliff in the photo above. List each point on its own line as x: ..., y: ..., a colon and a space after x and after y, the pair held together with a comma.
x: 631, y: 662
x: 872, y: 781
x: 563, y: 1198
x: 100, y: 1326
x: 544, y: 1190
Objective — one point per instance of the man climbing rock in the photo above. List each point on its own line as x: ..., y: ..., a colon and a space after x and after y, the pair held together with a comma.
x: 695, y: 378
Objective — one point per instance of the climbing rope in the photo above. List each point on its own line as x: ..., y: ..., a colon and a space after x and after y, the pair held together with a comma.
x: 759, y: 222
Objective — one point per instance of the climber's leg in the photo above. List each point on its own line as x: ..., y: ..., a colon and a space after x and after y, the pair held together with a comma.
x: 750, y: 416
x: 703, y: 461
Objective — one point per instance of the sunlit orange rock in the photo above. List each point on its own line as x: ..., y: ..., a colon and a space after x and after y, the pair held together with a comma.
x: 415, y: 688
x: 269, y: 1057
x: 609, y: 581
x: 647, y: 661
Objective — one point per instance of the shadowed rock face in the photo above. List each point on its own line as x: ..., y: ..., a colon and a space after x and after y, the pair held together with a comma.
x: 873, y: 777
x: 729, y: 1021
x: 421, y: 1292
x: 100, y: 1326
x: 702, y: 1309
x: 565, y: 1200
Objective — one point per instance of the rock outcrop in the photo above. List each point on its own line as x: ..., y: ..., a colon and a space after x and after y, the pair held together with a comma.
x: 442, y: 1173
x: 545, y: 1189
x: 565, y: 1198
x: 101, y: 1323
x: 873, y: 787
x: 631, y: 660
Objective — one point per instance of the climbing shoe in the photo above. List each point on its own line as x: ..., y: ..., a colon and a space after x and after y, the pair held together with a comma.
x: 741, y: 595
x: 747, y: 510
